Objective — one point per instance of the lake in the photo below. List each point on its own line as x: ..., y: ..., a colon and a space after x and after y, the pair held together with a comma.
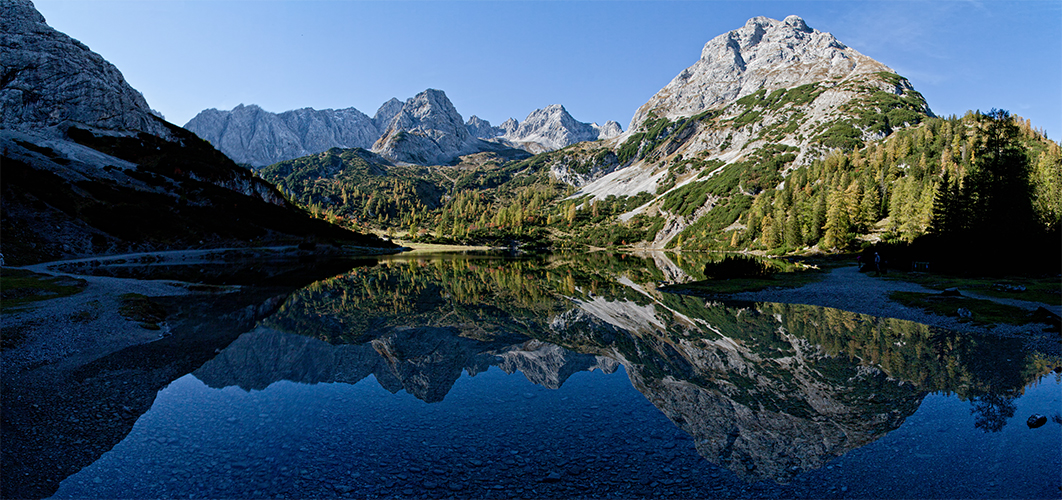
x: 494, y: 376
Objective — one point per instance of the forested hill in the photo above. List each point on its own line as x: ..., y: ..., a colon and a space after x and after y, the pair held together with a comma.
x: 945, y: 175
x: 807, y: 145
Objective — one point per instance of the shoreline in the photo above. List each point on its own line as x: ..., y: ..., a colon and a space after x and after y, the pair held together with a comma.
x: 847, y: 289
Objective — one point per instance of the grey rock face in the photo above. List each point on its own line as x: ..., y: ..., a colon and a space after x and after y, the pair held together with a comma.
x: 765, y: 53
x: 249, y: 134
x: 482, y: 129
x: 387, y: 111
x: 553, y: 128
x: 509, y: 126
x: 609, y: 130
x: 49, y: 79
x: 428, y: 130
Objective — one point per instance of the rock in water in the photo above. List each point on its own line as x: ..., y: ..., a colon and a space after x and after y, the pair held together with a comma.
x: 1036, y: 420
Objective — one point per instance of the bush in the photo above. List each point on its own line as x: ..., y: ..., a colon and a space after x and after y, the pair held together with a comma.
x: 738, y: 267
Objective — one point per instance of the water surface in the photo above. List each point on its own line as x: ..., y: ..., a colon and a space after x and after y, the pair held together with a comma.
x: 562, y: 376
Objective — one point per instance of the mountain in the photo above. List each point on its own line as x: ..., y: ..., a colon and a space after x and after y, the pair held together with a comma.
x: 251, y: 135
x: 428, y: 130
x: 89, y: 168
x: 481, y: 128
x: 553, y: 128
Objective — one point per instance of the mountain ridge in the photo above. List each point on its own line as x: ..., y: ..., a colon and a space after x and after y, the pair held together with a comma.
x: 250, y: 135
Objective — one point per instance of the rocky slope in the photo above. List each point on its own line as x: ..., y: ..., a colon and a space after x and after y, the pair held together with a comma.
x: 51, y: 79
x: 761, y: 100
x: 552, y: 128
x: 90, y: 169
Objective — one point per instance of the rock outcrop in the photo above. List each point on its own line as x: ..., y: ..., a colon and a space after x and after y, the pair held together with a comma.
x: 553, y: 128
x: 482, y: 129
x: 428, y: 130
x: 385, y: 113
x: 763, y: 54
x: 50, y: 79
x: 251, y: 135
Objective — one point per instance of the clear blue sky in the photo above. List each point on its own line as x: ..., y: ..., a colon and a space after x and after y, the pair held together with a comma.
x: 600, y: 59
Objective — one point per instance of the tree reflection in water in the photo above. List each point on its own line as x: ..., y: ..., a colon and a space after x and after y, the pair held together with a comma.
x: 767, y: 390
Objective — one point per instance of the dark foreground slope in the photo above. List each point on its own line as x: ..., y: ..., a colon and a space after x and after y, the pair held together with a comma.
x: 88, y: 168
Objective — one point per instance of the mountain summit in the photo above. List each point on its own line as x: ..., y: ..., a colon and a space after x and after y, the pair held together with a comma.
x: 424, y: 129
x: 553, y: 128
x: 763, y: 54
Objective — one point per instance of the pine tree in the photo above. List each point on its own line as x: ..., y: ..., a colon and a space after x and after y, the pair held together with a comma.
x: 837, y: 222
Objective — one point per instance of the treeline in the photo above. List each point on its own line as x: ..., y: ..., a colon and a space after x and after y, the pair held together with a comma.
x: 983, y: 176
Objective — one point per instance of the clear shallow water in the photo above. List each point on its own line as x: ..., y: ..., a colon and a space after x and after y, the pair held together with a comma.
x: 571, y: 377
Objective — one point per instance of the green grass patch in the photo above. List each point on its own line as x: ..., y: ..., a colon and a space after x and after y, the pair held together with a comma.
x: 19, y: 287
x: 1046, y: 290
x: 982, y: 312
x: 140, y: 308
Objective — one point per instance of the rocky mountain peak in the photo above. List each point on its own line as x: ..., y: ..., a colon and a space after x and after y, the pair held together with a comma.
x: 508, y: 126
x: 51, y: 79
x: 385, y: 113
x: 427, y: 130
x: 249, y: 134
x: 481, y: 128
x: 763, y: 54
x: 553, y: 128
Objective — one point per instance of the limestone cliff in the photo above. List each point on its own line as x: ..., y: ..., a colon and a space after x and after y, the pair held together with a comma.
x: 50, y: 79
x: 251, y: 135
x: 553, y: 128
x: 428, y: 130
x: 90, y: 169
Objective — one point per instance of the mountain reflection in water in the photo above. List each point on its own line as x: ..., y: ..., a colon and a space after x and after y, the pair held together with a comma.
x: 766, y: 390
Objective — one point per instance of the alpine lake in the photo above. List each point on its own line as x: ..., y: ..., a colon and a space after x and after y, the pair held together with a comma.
x: 540, y: 376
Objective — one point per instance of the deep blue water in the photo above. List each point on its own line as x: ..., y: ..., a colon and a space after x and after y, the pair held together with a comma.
x: 498, y: 435
x: 574, y: 377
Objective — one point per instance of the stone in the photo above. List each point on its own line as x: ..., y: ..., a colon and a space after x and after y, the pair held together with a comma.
x: 1036, y: 420
x: 552, y: 477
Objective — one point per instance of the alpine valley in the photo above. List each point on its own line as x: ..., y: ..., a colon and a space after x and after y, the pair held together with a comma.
x: 779, y: 139
x: 90, y: 169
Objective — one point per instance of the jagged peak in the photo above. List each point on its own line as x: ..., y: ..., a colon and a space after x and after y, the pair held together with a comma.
x: 765, y: 53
